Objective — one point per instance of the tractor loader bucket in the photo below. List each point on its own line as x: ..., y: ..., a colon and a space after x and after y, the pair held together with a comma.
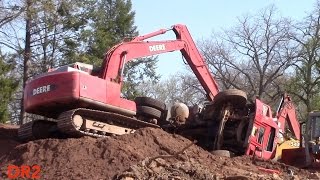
x: 296, y: 157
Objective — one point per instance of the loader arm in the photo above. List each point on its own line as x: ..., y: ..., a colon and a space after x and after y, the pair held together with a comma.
x: 116, y: 57
x: 286, y: 114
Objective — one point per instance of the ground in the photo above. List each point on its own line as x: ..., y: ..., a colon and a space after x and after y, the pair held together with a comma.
x: 147, y: 154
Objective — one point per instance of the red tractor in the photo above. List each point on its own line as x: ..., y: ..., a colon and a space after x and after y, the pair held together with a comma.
x: 77, y: 100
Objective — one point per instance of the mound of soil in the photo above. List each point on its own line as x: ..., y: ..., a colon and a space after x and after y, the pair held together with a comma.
x: 147, y: 154
x: 8, y: 140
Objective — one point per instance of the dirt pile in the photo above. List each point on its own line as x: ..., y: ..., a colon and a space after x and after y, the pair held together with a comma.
x: 8, y: 140
x: 147, y: 154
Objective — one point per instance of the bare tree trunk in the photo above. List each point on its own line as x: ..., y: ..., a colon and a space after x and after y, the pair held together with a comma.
x: 27, y: 55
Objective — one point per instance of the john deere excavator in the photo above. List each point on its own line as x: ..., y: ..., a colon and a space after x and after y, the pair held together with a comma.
x: 76, y: 100
x: 81, y: 101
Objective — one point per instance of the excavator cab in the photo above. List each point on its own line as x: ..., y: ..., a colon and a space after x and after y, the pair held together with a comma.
x: 77, y: 66
x: 313, y: 135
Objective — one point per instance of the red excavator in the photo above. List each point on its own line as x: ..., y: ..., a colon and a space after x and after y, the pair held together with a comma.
x: 81, y: 101
x: 77, y: 100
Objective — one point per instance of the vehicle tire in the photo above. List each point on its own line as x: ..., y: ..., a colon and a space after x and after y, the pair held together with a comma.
x: 163, y: 119
x: 235, y: 96
x: 224, y: 153
x: 149, y: 112
x: 147, y: 101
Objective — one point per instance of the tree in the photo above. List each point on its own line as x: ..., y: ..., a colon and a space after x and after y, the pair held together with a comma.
x: 305, y: 83
x: 44, y: 34
x: 52, y: 23
x: 181, y: 87
x: 26, y: 56
x: 8, y: 85
x: 112, y: 21
x: 109, y: 22
x: 137, y: 74
x: 252, y: 55
x: 46, y: 24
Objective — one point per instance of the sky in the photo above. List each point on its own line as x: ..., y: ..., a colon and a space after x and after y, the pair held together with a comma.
x: 202, y: 17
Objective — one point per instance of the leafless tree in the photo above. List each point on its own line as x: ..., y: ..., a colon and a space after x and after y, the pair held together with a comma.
x: 182, y: 87
x: 9, y: 11
x: 252, y: 55
x: 26, y: 55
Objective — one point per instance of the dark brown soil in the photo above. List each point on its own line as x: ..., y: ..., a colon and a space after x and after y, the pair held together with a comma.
x: 142, y: 155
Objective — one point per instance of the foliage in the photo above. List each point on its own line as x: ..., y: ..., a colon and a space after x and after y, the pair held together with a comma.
x: 44, y: 34
x: 109, y: 23
x: 305, y: 84
x: 8, y: 85
x: 136, y: 74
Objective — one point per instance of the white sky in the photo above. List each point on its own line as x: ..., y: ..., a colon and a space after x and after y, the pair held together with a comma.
x: 202, y: 17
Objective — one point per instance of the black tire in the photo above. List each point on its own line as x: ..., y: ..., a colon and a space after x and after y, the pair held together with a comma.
x: 235, y: 96
x: 147, y: 101
x: 224, y: 153
x: 149, y: 112
x: 163, y: 119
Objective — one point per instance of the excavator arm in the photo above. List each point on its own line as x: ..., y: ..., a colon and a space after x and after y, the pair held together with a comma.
x: 120, y: 54
x: 286, y: 114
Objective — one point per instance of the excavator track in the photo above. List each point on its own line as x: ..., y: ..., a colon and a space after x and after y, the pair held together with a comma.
x: 81, y: 122
x: 87, y: 122
x: 37, y: 129
x: 25, y: 131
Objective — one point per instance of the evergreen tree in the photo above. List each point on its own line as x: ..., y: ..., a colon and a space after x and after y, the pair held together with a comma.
x: 8, y: 86
x: 137, y: 74
x: 113, y: 21
x: 109, y: 23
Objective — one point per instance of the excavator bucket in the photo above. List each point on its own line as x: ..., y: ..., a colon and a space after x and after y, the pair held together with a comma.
x: 295, y: 157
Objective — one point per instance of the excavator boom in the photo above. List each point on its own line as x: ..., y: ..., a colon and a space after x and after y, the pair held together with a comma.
x: 117, y: 56
x: 286, y: 115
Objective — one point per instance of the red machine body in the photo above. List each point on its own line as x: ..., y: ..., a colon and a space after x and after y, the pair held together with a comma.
x: 61, y: 91
x: 268, y: 131
x: 263, y: 137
